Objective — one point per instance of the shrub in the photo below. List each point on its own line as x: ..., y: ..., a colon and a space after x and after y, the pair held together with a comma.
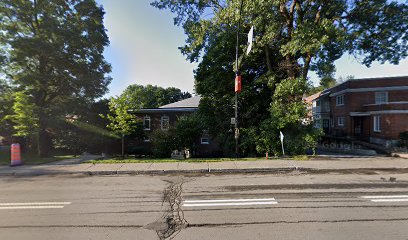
x: 404, y: 138
x: 163, y: 143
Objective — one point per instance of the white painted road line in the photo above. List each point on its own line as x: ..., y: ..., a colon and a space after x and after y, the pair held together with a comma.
x: 34, y: 203
x: 230, y: 200
x: 30, y: 207
x: 390, y: 200
x: 385, y: 197
x: 228, y: 204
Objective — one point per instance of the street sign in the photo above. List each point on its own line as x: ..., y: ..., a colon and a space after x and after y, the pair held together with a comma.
x: 250, y: 39
x: 232, y: 121
x: 281, y: 138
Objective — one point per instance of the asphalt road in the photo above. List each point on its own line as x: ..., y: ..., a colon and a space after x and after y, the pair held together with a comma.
x: 252, y: 206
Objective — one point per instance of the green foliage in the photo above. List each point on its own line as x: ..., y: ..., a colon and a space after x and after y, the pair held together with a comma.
x: 291, y: 38
x: 138, y: 96
x: 186, y: 132
x: 403, y: 136
x: 53, y: 52
x: 6, y: 104
x: 85, y: 131
x: 327, y: 82
x: 163, y: 142
x: 25, y: 118
x: 183, y: 135
x: 120, y: 119
x: 134, y: 97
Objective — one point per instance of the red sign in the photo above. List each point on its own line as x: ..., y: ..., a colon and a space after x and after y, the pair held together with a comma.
x: 238, y: 83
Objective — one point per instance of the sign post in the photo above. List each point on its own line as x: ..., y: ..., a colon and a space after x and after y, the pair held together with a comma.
x: 281, y: 138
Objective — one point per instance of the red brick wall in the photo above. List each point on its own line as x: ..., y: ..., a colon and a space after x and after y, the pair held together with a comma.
x: 391, y: 125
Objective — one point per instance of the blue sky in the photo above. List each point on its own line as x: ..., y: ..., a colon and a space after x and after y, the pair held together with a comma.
x: 144, y: 50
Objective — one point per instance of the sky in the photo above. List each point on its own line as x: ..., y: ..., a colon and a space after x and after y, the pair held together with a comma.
x: 144, y: 50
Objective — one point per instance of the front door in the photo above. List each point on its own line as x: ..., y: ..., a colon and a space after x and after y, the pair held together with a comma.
x: 326, y: 124
x: 358, y: 126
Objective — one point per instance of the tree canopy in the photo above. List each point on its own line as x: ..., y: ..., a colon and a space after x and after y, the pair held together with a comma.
x: 52, y: 51
x: 291, y: 38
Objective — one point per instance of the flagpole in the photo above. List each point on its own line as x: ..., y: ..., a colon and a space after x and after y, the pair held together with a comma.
x: 236, y: 76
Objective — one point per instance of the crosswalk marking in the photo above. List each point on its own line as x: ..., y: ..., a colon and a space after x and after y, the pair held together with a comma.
x: 33, y: 205
x: 229, y: 202
x: 387, y: 198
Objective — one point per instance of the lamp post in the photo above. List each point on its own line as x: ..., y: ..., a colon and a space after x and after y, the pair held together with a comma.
x: 237, y: 84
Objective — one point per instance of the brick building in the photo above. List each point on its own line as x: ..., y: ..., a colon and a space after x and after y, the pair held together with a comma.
x: 371, y: 109
x: 164, y: 117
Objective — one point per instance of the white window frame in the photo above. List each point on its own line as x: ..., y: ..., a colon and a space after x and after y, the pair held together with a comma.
x: 162, y: 120
x: 377, y: 123
x: 144, y: 121
x: 340, y: 100
x: 146, y: 139
x: 327, y: 125
x: 381, y: 97
x: 205, y: 140
x: 340, y: 121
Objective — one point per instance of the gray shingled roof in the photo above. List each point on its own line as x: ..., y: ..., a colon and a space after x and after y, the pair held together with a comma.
x: 192, y: 102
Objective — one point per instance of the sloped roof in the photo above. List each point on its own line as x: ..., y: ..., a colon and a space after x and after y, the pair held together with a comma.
x: 310, y: 98
x: 192, y: 102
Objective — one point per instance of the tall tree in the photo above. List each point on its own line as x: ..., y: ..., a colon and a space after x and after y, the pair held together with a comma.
x: 6, y: 104
x: 53, y: 52
x: 292, y: 37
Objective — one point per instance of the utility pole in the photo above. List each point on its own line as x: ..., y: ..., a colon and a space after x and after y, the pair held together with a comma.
x: 237, y: 78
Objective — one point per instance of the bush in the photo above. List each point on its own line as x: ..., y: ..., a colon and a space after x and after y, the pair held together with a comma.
x: 163, y: 143
x: 404, y: 138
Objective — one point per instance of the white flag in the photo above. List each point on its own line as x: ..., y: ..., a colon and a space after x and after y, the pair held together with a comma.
x: 250, y: 39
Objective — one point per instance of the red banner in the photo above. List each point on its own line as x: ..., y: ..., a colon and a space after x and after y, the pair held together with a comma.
x: 238, y: 83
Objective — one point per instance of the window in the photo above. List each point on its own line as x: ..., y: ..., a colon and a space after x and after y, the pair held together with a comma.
x: 381, y: 97
x: 146, y: 139
x: 377, y: 124
x: 340, y: 121
x: 165, y: 122
x: 205, y: 140
x: 326, y: 106
x: 325, y: 123
x: 317, y: 123
x: 205, y: 137
x: 340, y: 100
x: 146, y: 123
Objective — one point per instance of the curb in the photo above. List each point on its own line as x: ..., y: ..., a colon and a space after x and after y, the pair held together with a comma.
x: 207, y: 171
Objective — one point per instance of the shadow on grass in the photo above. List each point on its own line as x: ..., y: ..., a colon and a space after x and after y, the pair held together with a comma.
x: 30, y: 159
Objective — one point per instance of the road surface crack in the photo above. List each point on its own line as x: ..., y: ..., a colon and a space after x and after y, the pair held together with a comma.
x: 172, y: 221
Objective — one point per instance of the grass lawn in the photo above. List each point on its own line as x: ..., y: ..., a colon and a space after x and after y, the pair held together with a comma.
x: 29, y: 159
x: 191, y: 160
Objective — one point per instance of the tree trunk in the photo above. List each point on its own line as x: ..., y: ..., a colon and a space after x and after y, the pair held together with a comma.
x: 43, y: 145
x: 123, y: 146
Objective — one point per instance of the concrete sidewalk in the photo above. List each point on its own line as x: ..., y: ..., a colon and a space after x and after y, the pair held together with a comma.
x: 320, y: 164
